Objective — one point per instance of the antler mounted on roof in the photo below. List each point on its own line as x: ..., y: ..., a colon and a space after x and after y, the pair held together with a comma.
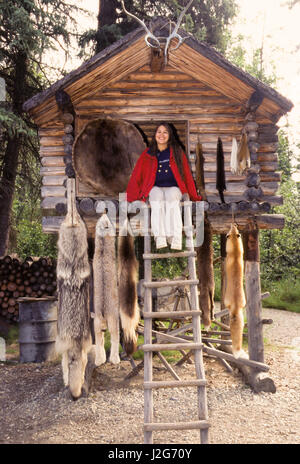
x: 149, y: 34
x: 173, y: 35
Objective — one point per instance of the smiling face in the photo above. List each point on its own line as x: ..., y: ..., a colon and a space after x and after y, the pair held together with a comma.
x: 162, y: 137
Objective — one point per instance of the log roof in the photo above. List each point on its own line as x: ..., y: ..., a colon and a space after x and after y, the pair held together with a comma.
x: 195, y: 58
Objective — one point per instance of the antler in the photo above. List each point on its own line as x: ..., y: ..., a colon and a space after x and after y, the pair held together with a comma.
x: 149, y: 34
x: 175, y: 34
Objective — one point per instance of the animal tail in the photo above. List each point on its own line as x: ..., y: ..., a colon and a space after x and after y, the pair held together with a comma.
x: 128, y: 298
x: 220, y: 180
x: 236, y: 331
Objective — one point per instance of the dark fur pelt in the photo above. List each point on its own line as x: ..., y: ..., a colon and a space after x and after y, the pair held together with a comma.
x: 73, y: 325
x: 128, y: 298
x: 200, y: 182
x: 205, y: 271
x: 220, y: 182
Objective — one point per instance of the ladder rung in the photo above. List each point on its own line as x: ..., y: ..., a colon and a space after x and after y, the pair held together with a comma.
x: 180, y: 254
x: 170, y: 314
x: 175, y: 383
x: 170, y: 283
x: 171, y: 346
x: 152, y: 427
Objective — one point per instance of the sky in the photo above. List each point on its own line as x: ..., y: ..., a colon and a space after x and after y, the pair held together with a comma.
x: 267, y: 21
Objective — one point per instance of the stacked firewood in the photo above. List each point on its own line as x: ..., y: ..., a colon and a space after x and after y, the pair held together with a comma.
x: 35, y: 278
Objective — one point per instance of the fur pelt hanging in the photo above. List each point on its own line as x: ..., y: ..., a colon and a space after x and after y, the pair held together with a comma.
x: 233, y: 157
x: 128, y: 297
x: 200, y: 182
x: 205, y: 272
x: 106, y: 302
x: 73, y: 279
x: 243, y: 155
x: 220, y: 180
x: 234, y: 298
x: 205, y: 269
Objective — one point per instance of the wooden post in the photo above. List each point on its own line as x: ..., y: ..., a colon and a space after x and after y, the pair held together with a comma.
x: 253, y: 295
x: 254, y: 309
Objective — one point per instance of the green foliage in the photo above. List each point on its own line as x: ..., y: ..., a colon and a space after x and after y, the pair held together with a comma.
x: 280, y: 248
x: 26, y: 235
x: 31, y: 241
x: 237, y: 53
x: 285, y: 294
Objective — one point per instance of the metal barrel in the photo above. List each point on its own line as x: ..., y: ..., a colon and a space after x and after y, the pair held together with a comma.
x: 37, y: 329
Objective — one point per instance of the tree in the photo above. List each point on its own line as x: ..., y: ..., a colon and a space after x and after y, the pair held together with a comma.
x: 207, y: 20
x: 255, y: 64
x: 27, y: 29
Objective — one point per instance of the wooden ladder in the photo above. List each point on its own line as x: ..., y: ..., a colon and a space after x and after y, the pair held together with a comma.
x: 149, y: 346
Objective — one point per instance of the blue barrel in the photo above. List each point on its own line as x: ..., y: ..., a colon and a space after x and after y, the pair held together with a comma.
x: 37, y: 329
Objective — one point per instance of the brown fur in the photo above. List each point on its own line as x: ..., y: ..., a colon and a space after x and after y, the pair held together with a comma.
x: 128, y: 298
x: 104, y: 154
x: 205, y: 271
x: 234, y: 294
x: 243, y: 155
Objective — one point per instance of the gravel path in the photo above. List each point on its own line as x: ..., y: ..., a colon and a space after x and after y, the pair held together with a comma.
x: 34, y: 409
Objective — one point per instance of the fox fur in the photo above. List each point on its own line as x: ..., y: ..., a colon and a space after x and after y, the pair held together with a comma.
x: 106, y: 304
x: 73, y: 325
x: 234, y: 298
x: 128, y: 297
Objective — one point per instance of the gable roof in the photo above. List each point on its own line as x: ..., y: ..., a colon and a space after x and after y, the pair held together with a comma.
x: 195, y: 58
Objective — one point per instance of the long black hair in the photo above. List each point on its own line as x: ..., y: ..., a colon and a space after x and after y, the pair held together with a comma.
x: 172, y: 143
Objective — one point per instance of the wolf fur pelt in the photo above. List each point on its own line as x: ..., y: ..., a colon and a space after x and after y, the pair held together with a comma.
x: 106, y: 302
x: 73, y: 326
x: 234, y: 293
x: 205, y: 272
x: 128, y: 297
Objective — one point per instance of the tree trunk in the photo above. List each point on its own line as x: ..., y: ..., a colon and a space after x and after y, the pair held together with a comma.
x: 107, y: 16
x: 11, y: 156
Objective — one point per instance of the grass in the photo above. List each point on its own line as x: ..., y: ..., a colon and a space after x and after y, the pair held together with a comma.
x: 285, y: 294
x: 12, y: 336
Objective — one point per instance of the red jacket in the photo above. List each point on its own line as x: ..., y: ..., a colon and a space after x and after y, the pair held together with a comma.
x: 144, y: 174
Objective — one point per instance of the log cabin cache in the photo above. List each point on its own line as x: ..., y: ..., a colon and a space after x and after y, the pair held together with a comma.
x: 94, y: 123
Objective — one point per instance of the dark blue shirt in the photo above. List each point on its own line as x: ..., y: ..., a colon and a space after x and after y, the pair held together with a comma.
x: 164, y: 174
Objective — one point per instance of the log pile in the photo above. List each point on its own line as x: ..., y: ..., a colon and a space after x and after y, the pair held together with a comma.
x: 30, y: 278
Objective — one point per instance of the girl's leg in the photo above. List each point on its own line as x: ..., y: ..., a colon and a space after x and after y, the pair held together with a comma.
x: 156, y: 198
x: 173, y: 217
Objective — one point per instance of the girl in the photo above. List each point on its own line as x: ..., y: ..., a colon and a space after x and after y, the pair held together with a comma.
x: 162, y: 174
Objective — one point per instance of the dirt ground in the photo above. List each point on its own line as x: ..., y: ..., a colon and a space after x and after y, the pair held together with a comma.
x: 34, y: 409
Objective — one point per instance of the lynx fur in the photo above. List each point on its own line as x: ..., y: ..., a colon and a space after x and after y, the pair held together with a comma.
x: 234, y: 294
x: 128, y: 298
x: 73, y: 275
x: 106, y: 304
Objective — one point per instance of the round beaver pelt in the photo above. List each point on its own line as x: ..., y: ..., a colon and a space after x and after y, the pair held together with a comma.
x: 104, y: 155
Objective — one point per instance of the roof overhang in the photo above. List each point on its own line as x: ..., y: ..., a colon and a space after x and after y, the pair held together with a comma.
x: 195, y: 58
